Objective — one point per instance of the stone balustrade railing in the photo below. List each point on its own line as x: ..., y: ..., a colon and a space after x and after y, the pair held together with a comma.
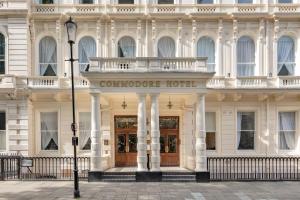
x: 53, y: 82
x: 13, y: 5
x: 188, y: 9
x: 148, y: 64
x: 255, y: 82
x: 217, y: 82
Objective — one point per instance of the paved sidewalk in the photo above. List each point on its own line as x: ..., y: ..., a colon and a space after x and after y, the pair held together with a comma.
x: 60, y: 190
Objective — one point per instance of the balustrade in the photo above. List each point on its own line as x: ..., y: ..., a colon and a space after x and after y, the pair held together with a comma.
x: 143, y: 64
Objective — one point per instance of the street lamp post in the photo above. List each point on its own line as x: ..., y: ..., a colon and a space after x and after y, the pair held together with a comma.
x: 71, y: 31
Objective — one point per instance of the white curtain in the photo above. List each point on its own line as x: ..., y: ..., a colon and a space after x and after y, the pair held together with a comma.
x: 210, y: 121
x: 206, y: 48
x: 47, y: 55
x: 126, y: 47
x: 287, y: 129
x: 86, y: 49
x: 166, y: 47
x: 286, y: 54
x: 245, y: 56
x: 49, y: 129
x: 84, y: 128
x: 205, y: 1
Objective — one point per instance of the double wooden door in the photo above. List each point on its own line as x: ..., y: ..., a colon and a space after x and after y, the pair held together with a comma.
x: 126, y: 141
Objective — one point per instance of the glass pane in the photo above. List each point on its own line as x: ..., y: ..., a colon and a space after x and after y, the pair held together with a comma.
x: 287, y: 140
x: 121, y: 143
x: 47, y: 1
x: 87, y: 1
x: 2, y: 67
x: 49, y: 130
x: 168, y: 122
x: 165, y: 1
x: 244, y: 1
x: 2, y: 121
x: 246, y: 140
x: 172, y: 143
x: 210, y: 141
x: 126, y: 122
x: 162, y: 144
x: 210, y: 121
x: 285, y: 1
x: 132, y: 142
x: 126, y: 1
x: 247, y: 121
x: 205, y: 1
x: 2, y: 140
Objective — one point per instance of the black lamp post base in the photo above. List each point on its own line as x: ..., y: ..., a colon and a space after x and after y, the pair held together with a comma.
x: 76, y: 194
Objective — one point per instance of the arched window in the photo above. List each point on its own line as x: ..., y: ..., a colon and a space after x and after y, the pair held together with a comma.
x: 285, y: 56
x: 86, y: 49
x: 2, y: 54
x: 245, y: 56
x: 126, y: 47
x: 166, y: 47
x: 48, y: 57
x: 206, y: 48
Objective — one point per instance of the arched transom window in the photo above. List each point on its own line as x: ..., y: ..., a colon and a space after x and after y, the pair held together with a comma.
x: 48, y: 57
x: 2, y: 54
x: 86, y: 49
x: 126, y: 47
x: 166, y: 47
x: 206, y: 48
x: 245, y: 56
x: 285, y: 56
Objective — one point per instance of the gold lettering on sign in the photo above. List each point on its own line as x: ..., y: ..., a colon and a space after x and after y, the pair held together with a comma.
x: 149, y: 84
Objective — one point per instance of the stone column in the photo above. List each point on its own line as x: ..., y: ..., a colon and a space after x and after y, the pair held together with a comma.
x: 142, y: 134
x: 95, y: 133
x: 155, y: 134
x: 201, y: 158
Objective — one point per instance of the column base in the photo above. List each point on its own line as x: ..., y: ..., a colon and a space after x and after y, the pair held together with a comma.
x: 95, y: 176
x: 148, y: 176
x: 202, y: 177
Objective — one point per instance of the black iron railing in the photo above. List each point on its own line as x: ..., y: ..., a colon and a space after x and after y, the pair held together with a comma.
x: 42, y: 168
x: 10, y: 167
x: 254, y: 168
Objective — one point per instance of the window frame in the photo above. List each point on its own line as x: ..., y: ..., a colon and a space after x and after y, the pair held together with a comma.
x: 295, y: 55
x: 78, y: 117
x: 277, y: 141
x: 78, y: 69
x: 215, y: 53
x: 215, y: 132
x: 4, y: 55
x: 245, y: 63
x: 38, y: 63
x: 39, y: 135
x: 256, y: 131
x: 118, y: 47
x: 6, y: 138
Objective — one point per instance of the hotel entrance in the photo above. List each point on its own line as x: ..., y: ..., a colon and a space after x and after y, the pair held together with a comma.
x: 126, y: 141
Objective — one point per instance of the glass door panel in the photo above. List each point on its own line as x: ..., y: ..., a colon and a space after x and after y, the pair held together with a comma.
x: 132, y: 142
x: 121, y: 143
x: 172, y: 144
x: 162, y: 144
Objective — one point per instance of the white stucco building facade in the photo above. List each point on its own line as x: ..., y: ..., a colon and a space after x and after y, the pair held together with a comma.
x: 179, y: 80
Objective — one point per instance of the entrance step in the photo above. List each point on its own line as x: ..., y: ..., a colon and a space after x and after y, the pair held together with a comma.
x: 178, y: 177
x: 118, y: 177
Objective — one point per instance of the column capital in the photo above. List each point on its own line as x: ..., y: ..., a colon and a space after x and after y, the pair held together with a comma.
x: 140, y: 95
